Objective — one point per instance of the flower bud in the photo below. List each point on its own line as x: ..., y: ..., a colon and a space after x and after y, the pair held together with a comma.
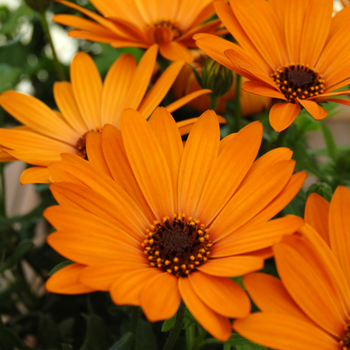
x: 322, y: 189
x: 40, y: 6
x: 216, y: 77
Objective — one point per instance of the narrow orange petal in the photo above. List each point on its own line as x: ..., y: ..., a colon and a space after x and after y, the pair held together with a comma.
x: 35, y: 175
x: 66, y: 281
x: 312, y: 280
x: 127, y: 289
x: 175, y: 51
x: 316, y: 215
x: 232, y: 266
x: 87, y: 89
x: 160, y: 297
x: 314, y: 109
x: 165, y: 129
x: 229, y: 169
x: 148, y: 163
x: 116, y: 87
x: 218, y: 326
x: 339, y: 228
x: 262, y: 89
x: 158, y: 91
x: 201, y: 150
x: 269, y: 295
x: 284, y: 332
x: 221, y: 294
x: 283, y: 115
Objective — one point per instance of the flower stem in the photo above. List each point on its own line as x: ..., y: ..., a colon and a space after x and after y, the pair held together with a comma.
x: 237, y: 115
x: 175, y: 332
x: 280, y: 139
x: 59, y: 70
x: 214, y: 99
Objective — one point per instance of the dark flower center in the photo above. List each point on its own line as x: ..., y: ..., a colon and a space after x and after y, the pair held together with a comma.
x: 345, y: 340
x: 177, y: 246
x: 81, y: 145
x: 298, y: 81
x: 172, y: 25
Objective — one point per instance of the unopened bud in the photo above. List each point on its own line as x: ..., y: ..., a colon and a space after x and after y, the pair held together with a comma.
x: 322, y: 189
x: 40, y: 6
x: 216, y: 77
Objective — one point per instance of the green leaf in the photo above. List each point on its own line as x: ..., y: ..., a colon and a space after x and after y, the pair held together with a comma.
x: 241, y: 343
x: 97, y: 336
x: 48, y: 333
x: 168, y: 324
x: 124, y: 343
x: 22, y: 249
x: 66, y: 347
x: 329, y: 140
x: 145, y: 338
x: 9, y: 75
x: 60, y: 266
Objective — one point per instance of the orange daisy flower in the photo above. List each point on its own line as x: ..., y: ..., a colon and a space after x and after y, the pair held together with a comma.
x: 85, y: 104
x: 310, y: 307
x: 169, y: 24
x: 153, y: 221
x: 300, y: 56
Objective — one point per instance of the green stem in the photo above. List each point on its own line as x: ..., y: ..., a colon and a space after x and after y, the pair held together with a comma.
x: 237, y: 115
x: 59, y: 70
x: 214, y: 99
x: 280, y: 139
x: 175, y: 332
x: 2, y: 191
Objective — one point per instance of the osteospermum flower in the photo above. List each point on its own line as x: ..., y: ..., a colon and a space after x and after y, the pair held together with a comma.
x: 153, y: 221
x: 141, y: 24
x: 310, y: 307
x: 85, y: 104
x: 300, y: 56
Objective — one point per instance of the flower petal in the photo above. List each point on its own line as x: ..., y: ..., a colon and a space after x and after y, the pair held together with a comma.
x: 66, y: 281
x: 160, y: 297
x: 314, y: 109
x: 175, y: 51
x: 232, y: 266
x: 35, y: 175
x: 218, y: 326
x: 283, y: 115
x: 284, y: 332
x: 221, y: 294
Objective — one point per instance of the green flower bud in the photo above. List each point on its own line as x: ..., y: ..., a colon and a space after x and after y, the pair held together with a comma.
x: 322, y: 189
x: 40, y: 6
x: 216, y: 77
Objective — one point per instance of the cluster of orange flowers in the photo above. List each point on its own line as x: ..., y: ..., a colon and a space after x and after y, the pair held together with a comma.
x: 154, y: 220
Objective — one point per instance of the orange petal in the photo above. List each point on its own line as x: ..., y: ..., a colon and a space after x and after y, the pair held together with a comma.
x: 158, y: 91
x: 165, y: 129
x: 218, y: 326
x: 94, y: 151
x: 283, y: 115
x: 142, y: 78
x: 254, y: 237
x: 102, y: 276
x: 222, y: 295
x: 175, y: 51
x: 269, y: 295
x: 87, y: 89
x: 229, y: 169
x: 284, y: 332
x: 339, y: 228
x: 38, y: 175
x: 262, y: 89
x: 232, y: 266
x: 116, y: 88
x: 67, y: 105
x: 148, y: 163
x: 94, y: 247
x: 251, y: 198
x: 66, y: 281
x: 199, y: 154
x: 118, y: 164
x: 314, y: 109
x: 311, y: 278
x: 160, y: 297
x: 127, y: 289
x: 32, y: 112
x: 316, y: 215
